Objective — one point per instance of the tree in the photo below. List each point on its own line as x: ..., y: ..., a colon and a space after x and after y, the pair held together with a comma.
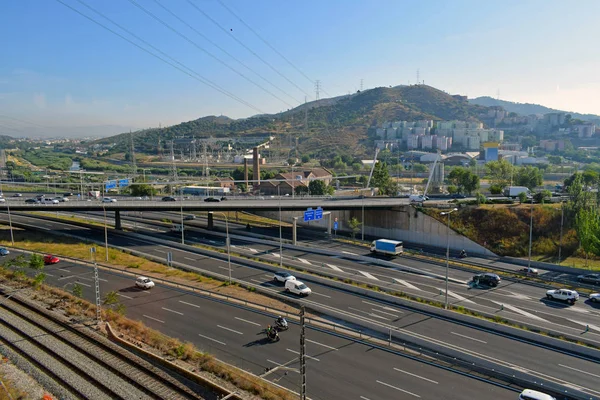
x: 318, y: 187
x: 496, y: 189
x: 480, y: 198
x: 590, y: 178
x: 499, y: 172
x: 354, y: 224
x: 464, y: 180
x: 588, y: 231
x: 419, y: 168
x: 301, y: 190
x: 452, y: 189
x: 381, y: 175
x: 579, y: 198
x: 142, y: 190
x: 39, y: 279
x: 530, y: 177
x: 522, y: 197
x: 77, y: 290
x: 357, y: 167
x: 555, y: 160
x: 36, y: 261
x: 541, y: 197
x: 305, y: 158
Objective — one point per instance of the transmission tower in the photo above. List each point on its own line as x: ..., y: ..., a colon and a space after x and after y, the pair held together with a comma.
x: 361, y: 85
x: 133, y: 165
x: 317, y: 89
x: 173, y: 166
x: 418, y: 76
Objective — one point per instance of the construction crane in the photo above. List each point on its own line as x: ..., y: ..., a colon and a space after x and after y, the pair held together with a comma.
x: 420, y: 198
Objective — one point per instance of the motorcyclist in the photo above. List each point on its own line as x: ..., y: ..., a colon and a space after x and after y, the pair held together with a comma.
x: 281, y: 321
x: 463, y: 253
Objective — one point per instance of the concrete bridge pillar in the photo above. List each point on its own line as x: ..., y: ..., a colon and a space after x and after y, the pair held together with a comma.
x: 118, y: 220
x: 211, y: 223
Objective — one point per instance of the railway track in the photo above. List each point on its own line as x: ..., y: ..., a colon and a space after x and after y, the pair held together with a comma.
x: 84, y: 364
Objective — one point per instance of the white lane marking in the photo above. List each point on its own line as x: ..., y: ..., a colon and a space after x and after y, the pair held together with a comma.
x: 594, y: 327
x: 162, y: 245
x: 249, y: 322
x: 368, y: 313
x: 275, y: 254
x: 384, y: 307
x: 304, y: 261
x: 579, y: 310
x: 127, y: 297
x: 457, y: 296
x: 66, y: 277
x: 281, y: 365
x: 335, y: 267
x: 189, y: 304
x: 320, y: 294
x: 578, y: 370
x: 64, y: 270
x: 91, y: 279
x: 307, y: 356
x: 173, y: 311
x: 469, y: 337
x: 49, y: 275
x: 408, y: 285
x: 519, y: 311
x: 520, y: 296
x: 397, y: 388
x: 154, y: 319
x: 347, y: 252
x: 211, y: 241
x: 230, y: 330
x: 191, y: 259
x: 368, y: 275
x: 321, y: 344
x: 387, y: 313
x: 415, y: 375
x: 160, y: 251
x: 253, y: 250
x: 364, y: 398
x: 225, y: 268
x: 84, y: 284
x: 214, y: 340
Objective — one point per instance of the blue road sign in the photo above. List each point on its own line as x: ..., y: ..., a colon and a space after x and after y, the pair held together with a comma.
x: 123, y: 182
x: 309, y: 215
x: 319, y: 213
x: 111, y: 184
x: 335, y: 225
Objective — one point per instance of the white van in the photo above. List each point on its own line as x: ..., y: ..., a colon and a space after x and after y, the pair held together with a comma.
x: 297, y: 287
x: 529, y: 394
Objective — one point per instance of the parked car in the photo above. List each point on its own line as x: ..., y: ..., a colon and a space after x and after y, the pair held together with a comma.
x: 212, y: 200
x: 297, y: 287
x: 49, y: 201
x: 595, y: 297
x: 4, y: 251
x: 17, y: 195
x: 32, y: 201
x: 109, y: 200
x: 594, y: 279
x: 50, y: 259
x: 189, y: 217
x: 570, y: 296
x: 144, y: 283
x: 169, y: 198
x: 487, y: 278
x: 282, y: 276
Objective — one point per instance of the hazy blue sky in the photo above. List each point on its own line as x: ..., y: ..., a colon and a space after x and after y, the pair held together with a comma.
x: 59, y: 68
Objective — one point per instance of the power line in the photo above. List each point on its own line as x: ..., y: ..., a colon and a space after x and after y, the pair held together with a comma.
x: 21, y: 120
x: 193, y: 74
x: 207, y: 52
x: 267, y: 43
x: 246, y: 47
x: 225, y: 51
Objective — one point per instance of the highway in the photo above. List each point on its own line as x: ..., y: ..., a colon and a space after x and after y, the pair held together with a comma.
x: 337, y: 368
x: 562, y: 368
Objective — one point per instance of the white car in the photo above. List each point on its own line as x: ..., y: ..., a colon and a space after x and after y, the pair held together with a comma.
x: 49, y: 201
x: 2, y: 200
x: 529, y: 394
x: 570, y: 296
x: 297, y: 287
x: 144, y: 283
x: 109, y: 200
x: 61, y: 199
x: 595, y: 297
x: 282, y: 276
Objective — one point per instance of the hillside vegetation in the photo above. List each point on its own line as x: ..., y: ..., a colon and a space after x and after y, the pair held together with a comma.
x: 339, y: 123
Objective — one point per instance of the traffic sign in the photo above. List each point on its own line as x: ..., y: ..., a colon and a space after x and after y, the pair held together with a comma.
x: 319, y: 213
x: 123, y: 182
x: 111, y: 184
x: 309, y: 215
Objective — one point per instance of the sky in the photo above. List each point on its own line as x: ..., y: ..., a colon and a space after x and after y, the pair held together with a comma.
x: 61, y: 69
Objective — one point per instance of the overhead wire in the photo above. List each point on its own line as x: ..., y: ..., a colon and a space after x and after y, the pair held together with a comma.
x: 207, y: 52
x: 225, y: 51
x: 268, y: 44
x: 21, y: 120
x: 246, y: 47
x: 193, y: 74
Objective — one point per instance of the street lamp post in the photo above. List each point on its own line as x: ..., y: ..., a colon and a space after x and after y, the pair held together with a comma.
x: 227, y: 242
x: 530, y: 236
x: 562, y: 218
x: 105, y: 233
x: 280, y: 235
x: 447, y: 253
x: 362, y: 221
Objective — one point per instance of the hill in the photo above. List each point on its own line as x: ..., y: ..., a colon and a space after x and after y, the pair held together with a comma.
x: 336, y: 124
x: 527, y: 108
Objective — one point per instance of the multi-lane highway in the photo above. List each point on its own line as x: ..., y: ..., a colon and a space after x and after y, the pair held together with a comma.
x: 567, y: 370
x: 337, y: 368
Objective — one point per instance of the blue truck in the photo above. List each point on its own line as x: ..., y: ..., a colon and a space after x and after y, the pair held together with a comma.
x: 388, y: 247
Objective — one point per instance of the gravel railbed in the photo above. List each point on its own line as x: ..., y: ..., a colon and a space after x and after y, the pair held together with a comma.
x: 78, y: 383
x: 85, y: 364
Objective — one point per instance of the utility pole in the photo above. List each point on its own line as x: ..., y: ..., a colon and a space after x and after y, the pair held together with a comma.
x: 562, y: 218
x: 96, y: 286
x: 302, y: 355
x: 133, y: 165
x: 317, y: 89
x: 173, y: 168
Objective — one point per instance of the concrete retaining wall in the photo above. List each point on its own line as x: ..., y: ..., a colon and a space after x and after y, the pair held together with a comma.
x: 398, y: 223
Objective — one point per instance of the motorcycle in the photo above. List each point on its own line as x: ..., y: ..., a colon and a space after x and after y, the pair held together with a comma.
x: 281, y: 325
x: 272, y: 334
x: 463, y: 254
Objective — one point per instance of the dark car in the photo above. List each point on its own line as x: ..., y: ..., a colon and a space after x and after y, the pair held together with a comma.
x: 189, y: 217
x: 68, y: 194
x: 212, y: 200
x: 32, y: 201
x: 487, y: 278
x: 594, y: 279
x: 223, y: 198
x: 457, y: 196
x: 169, y: 198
